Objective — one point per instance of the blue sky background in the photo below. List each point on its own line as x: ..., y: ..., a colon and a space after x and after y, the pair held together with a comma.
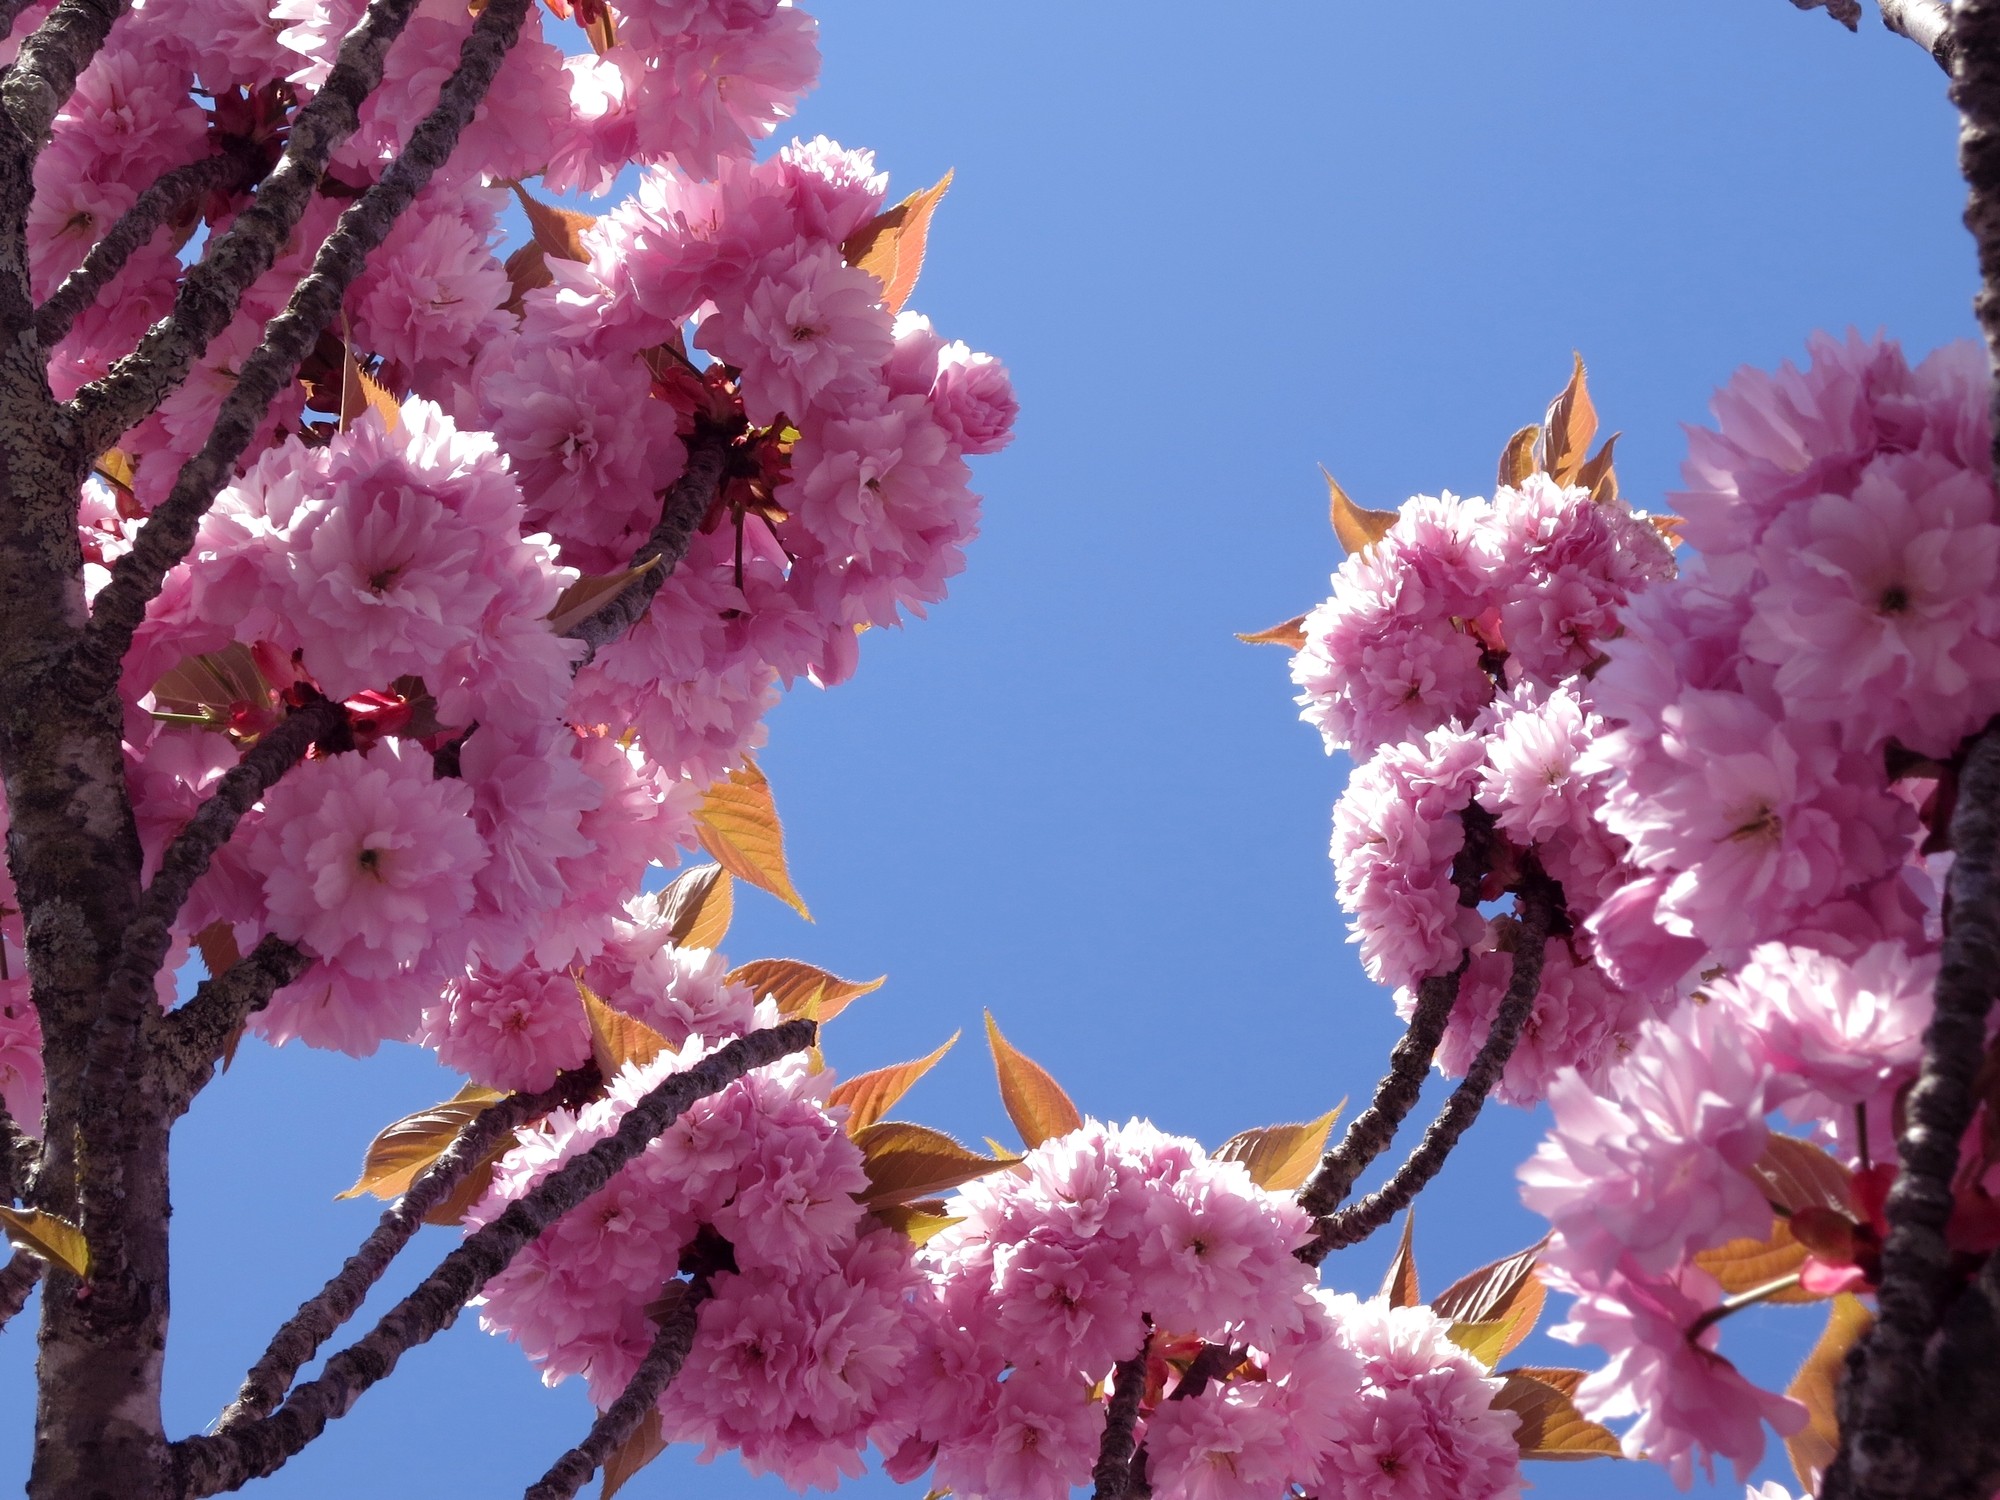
x: 1216, y: 251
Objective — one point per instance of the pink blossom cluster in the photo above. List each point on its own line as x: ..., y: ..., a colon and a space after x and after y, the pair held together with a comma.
x: 815, y: 1316
x: 492, y: 807
x: 1118, y: 1243
x: 1776, y: 724
x: 1454, y: 661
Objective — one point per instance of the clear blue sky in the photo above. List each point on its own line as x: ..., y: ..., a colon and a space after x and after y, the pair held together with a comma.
x: 1216, y: 252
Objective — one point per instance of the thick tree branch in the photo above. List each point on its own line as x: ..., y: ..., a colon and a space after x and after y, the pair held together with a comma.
x: 688, y: 500
x: 169, y: 533
x: 193, y: 1038
x: 226, y: 1461
x: 621, y: 1418
x: 1540, y: 903
x: 212, y: 290
x: 1112, y: 1477
x: 1899, y: 1428
x: 321, y: 1315
x: 18, y: 1280
x: 167, y: 197
x: 1847, y: 12
x: 19, y: 1154
x: 1925, y: 22
x: 51, y: 58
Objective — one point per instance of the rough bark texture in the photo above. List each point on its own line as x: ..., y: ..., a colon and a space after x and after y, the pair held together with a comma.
x: 1355, y: 1223
x: 227, y: 1461
x: 621, y: 1418
x: 1112, y: 1477
x: 688, y: 500
x: 192, y: 1039
x: 321, y: 1315
x: 23, y: 1273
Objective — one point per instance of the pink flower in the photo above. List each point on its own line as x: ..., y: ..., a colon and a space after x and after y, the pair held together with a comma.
x: 1690, y: 1401
x: 1229, y: 1447
x: 1652, y: 1165
x: 974, y: 400
x: 512, y: 1029
x: 369, y: 861
x: 810, y: 331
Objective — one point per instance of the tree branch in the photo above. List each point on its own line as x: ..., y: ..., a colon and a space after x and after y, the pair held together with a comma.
x: 226, y: 1461
x: 321, y: 1315
x: 1112, y: 1477
x: 1847, y: 12
x: 211, y: 292
x: 688, y: 500
x: 169, y: 533
x: 18, y: 1280
x: 194, y: 1037
x: 1891, y: 1445
x: 159, y: 203
x: 51, y: 58
x: 19, y: 1155
x: 621, y: 1418
x: 1925, y: 22
x: 1540, y: 902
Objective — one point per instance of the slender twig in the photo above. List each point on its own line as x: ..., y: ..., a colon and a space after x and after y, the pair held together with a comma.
x: 18, y: 1280
x: 226, y: 1461
x: 166, y: 198
x: 687, y: 501
x: 1112, y: 1476
x: 149, y: 936
x: 1894, y: 1441
x: 621, y: 1418
x: 1539, y: 908
x: 193, y: 1038
x: 322, y: 1314
x: 212, y: 291
x: 170, y: 531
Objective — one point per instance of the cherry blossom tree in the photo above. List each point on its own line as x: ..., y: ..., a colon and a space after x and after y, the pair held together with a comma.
x: 384, y: 604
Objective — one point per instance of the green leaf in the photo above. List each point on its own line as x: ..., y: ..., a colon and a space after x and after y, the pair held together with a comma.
x: 1399, y: 1286
x: 697, y: 906
x: 1551, y: 1427
x: 1281, y: 1157
x: 905, y: 1162
x: 870, y: 1096
x: 403, y: 1149
x: 737, y: 822
x: 800, y: 988
x: 49, y: 1236
x: 1813, y: 1446
x: 1035, y: 1102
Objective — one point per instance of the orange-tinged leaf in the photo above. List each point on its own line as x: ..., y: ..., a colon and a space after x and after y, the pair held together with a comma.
x: 452, y: 1209
x: 870, y: 1096
x: 1354, y: 528
x: 217, y: 945
x: 1035, y: 1102
x: 1795, y: 1174
x: 1597, y: 476
x: 592, y: 592
x: 914, y: 1223
x: 403, y: 1149
x: 1399, y: 1286
x: 801, y: 988
x: 527, y: 268
x: 890, y: 246
x: 1550, y: 1425
x: 361, y: 392
x: 602, y: 31
x: 49, y: 1236
x: 1669, y: 528
x: 1517, y: 459
x: 906, y: 1162
x: 696, y: 907
x: 1744, y: 1265
x: 1281, y: 1157
x: 1291, y: 634
x: 644, y: 1445
x: 1812, y: 1447
x: 738, y: 824
x: 115, y: 464
x: 1568, y: 429
x: 616, y: 1038
x: 559, y: 231
x: 1495, y: 1307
